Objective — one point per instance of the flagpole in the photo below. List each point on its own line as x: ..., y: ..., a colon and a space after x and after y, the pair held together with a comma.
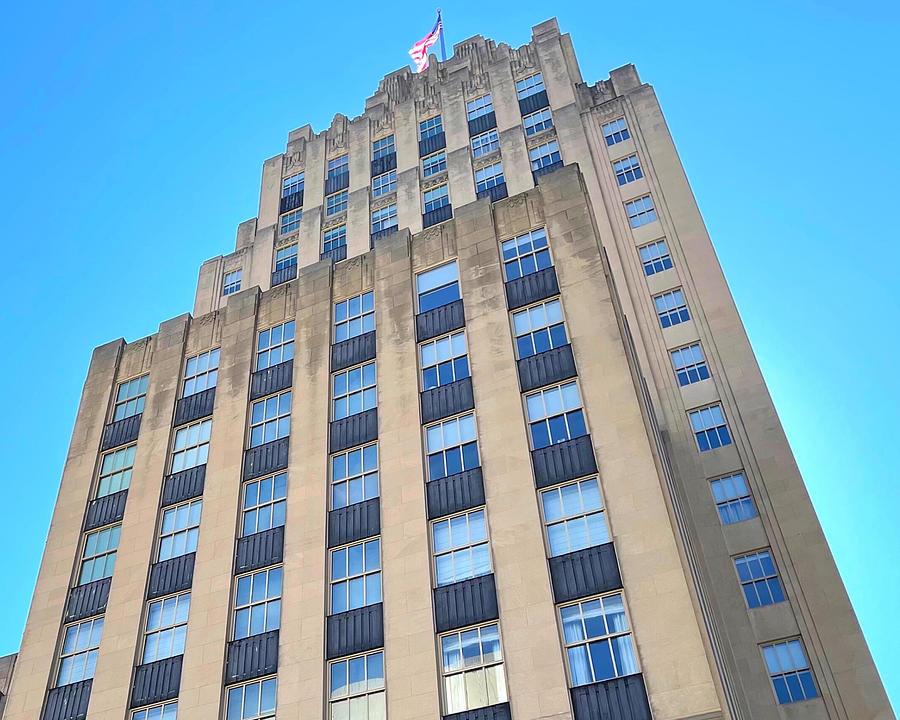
x: 443, y: 49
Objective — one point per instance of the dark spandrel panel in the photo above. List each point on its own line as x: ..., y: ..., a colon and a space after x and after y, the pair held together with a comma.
x: 68, y: 702
x: 105, y: 510
x: 546, y: 368
x: 354, y: 522
x: 284, y: 275
x: 583, y: 573
x: 171, y: 576
x: 384, y: 164
x: 291, y: 202
x: 533, y: 103
x: 622, y: 698
x: 546, y: 170
x: 184, y: 485
x: 121, y: 432
x: 352, y: 352
x: 381, y: 234
x: 354, y: 430
x: 446, y: 400
x: 251, y: 657
x: 432, y: 144
x: 440, y: 320
x: 465, y: 603
x: 434, y: 217
x: 532, y: 288
x: 87, y: 600
x: 156, y: 682
x: 500, y: 711
x: 193, y: 407
x: 271, y: 379
x: 482, y: 123
x: 495, y: 193
x: 259, y: 550
x: 563, y: 461
x: 335, y: 254
x: 354, y: 631
x: 455, y: 493
x: 337, y: 183
x: 265, y: 459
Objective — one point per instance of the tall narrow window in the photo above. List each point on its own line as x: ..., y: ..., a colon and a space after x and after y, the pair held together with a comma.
x: 689, y: 364
x: 627, y: 170
x: 354, y: 391
x: 733, y: 499
x: 598, y: 640
x: 460, y: 545
x: 292, y: 184
x: 78, y: 656
x: 485, y: 143
x: 479, y: 106
x: 472, y: 669
x: 338, y: 166
x: 356, y: 576
x: 98, y: 556
x: 641, y: 211
x: 291, y: 221
x: 430, y: 127
x: 544, y: 155
x: 179, y: 530
x: 710, y: 428
x: 275, y: 345
x: 438, y: 286
x: 257, y: 603
x: 538, y: 122
x: 555, y: 415
x: 191, y: 446
x: 615, y: 131
x: 270, y: 419
x: 789, y: 671
x: 383, y: 147
x: 489, y: 176
x: 165, y: 711
x: 451, y: 446
x: 530, y: 85
x: 333, y: 238
x: 655, y: 257
x: 574, y: 516
x: 286, y: 257
x: 354, y: 316
x: 115, y: 471
x: 525, y: 254
x: 166, y: 627
x: 354, y: 476
x: 357, y: 688
x: 539, y: 328
x: 232, y: 282
x: 444, y: 360
x: 201, y: 372
x: 436, y: 198
x: 252, y: 701
x: 130, y: 398
x: 759, y: 579
x: 263, y: 504
x: 671, y: 308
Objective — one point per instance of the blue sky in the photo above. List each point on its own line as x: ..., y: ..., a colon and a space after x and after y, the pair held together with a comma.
x: 131, y: 142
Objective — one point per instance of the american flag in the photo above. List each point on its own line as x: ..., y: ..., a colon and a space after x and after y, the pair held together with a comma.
x: 419, y: 51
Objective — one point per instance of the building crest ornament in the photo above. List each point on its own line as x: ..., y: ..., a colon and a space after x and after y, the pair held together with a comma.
x: 338, y: 134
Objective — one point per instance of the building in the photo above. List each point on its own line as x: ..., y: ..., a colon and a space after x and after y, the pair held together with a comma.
x: 466, y: 426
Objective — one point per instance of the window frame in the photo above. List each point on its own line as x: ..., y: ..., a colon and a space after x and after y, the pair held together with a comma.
x: 289, y: 260
x: 125, y: 471
x: 278, y: 419
x: 211, y: 355
x: 289, y: 188
x: 164, y: 707
x: 680, y: 312
x: 349, y: 695
x: 281, y: 345
x: 387, y: 218
x: 697, y: 366
x: 290, y: 221
x: 109, y: 553
x: 452, y: 550
x: 384, y: 184
x: 565, y: 519
x: 431, y: 290
x: 480, y: 106
x: 363, y: 476
x: 62, y: 655
x: 346, y: 579
x: 630, y: 173
x: 230, y: 283
x: 139, y: 398
x: 434, y: 163
x: 262, y: 714
x: 444, y: 447
x: 273, y: 503
x: 200, y: 448
x: 532, y: 158
x: 531, y: 121
x: 529, y: 89
x: 383, y: 147
x: 549, y: 327
x: 729, y: 502
x: 621, y: 130
x: 534, y: 253
x: 443, y: 189
x: 452, y: 360
x: 767, y: 579
x: 337, y: 202
x: 489, y: 181
x: 430, y: 131
x: 485, y: 147
x: 334, y: 237
x: 645, y: 211
x: 337, y: 166
x: 564, y: 413
x: 712, y: 407
x: 796, y: 671
x: 160, y: 629
x: 269, y: 603
x: 462, y: 671
x: 162, y: 535
x: 348, y: 319
x: 365, y: 391
x: 655, y: 264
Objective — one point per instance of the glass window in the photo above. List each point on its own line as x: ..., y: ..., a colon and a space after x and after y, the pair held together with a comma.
x: 384, y: 219
x: 539, y: 328
x: 383, y: 184
x: 525, y: 254
x: 166, y: 627
x: 434, y: 163
x: 357, y: 688
x: 438, y: 286
x: 759, y: 579
x: 790, y: 672
x: 479, y: 106
x: 252, y: 701
x: 354, y: 476
x: 383, y: 147
x: 436, y: 198
x: 336, y: 203
x: 115, y: 471
x: 291, y: 221
x: 191, y: 446
x: 574, y: 516
x: 690, y: 365
x: 263, y: 504
x: 201, y: 372
x: 655, y: 257
x: 257, y: 603
x: 671, y: 308
x: 733, y: 499
x: 485, y: 143
x: 285, y: 257
x: 354, y: 391
x: 489, y: 176
x: 538, y: 122
x: 460, y: 546
x: 444, y: 360
x: 430, y: 127
x: 338, y: 166
x: 270, y: 419
x: 627, y: 170
x: 179, y: 529
x: 529, y: 86
x: 615, y: 131
x: 232, y: 282
x: 472, y: 669
x: 334, y: 238
x: 292, y: 184
x: 640, y: 211
x: 166, y: 711
x: 710, y: 427
x: 544, y: 155
x: 130, y: 398
x: 356, y: 576
x: 98, y: 556
x: 354, y: 316
x: 555, y: 415
x: 451, y: 446
x: 78, y: 656
x: 275, y: 345
x: 598, y: 640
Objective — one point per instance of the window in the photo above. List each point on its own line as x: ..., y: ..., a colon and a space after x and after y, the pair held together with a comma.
x: 759, y: 579
x: 336, y: 203
x: 489, y: 176
x: 655, y: 257
x: 354, y: 476
x: 444, y: 360
x: 538, y: 122
x: 384, y: 219
x: 436, y: 287
x: 790, y: 672
x: 356, y: 576
x: 525, y: 254
x: 598, y: 640
x: 263, y: 504
x: 115, y: 471
x: 253, y: 701
x: 201, y: 372
x: 539, y: 328
x: 275, y: 345
x: 383, y: 147
x: 690, y: 367
x: 671, y: 308
x: 531, y: 85
x: 292, y: 184
x: 98, y: 557
x: 472, y: 669
x: 286, y: 257
x: 353, y: 391
x: 257, y: 603
x: 166, y: 711
x: 640, y: 211
x: 357, y: 688
x: 130, y: 398
x: 166, y: 627
x: 179, y: 530
x: 430, y: 127
x: 354, y: 316
x: 78, y: 657
x: 191, y: 447
x: 436, y: 198
x: 710, y: 428
x: 334, y: 238
x: 733, y: 499
x: 555, y: 415
x: 232, y: 282
x: 460, y: 547
x: 291, y: 221
x: 338, y: 166
x: 383, y: 184
x: 627, y: 170
x: 544, y: 155
x: 451, y: 447
x: 615, y: 131
x: 574, y: 516
x: 479, y: 106
x: 485, y: 143
x: 270, y: 419
x: 434, y: 163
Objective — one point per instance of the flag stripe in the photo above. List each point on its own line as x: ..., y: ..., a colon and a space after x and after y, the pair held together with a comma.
x: 419, y: 51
